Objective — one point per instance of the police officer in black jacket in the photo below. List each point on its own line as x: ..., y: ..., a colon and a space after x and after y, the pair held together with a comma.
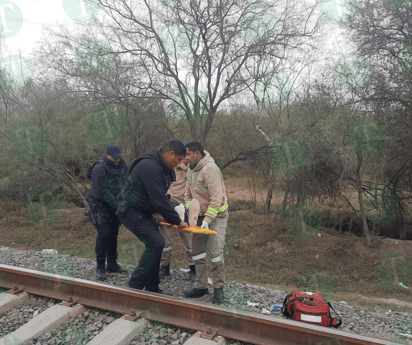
x: 143, y: 195
x: 106, y: 177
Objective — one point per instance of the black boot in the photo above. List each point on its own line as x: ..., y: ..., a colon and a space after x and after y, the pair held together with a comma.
x: 192, y: 270
x: 157, y: 290
x: 114, y: 269
x: 218, y: 296
x: 196, y: 293
x: 100, y: 274
x: 164, y: 271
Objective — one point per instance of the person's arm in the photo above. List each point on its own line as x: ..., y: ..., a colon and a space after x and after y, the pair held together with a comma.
x: 154, y: 183
x: 188, y: 195
x: 213, y: 179
x: 99, y: 178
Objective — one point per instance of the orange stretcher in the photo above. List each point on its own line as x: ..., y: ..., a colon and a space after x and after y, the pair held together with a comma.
x: 192, y: 229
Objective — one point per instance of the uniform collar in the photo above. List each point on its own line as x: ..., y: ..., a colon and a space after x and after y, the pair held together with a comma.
x: 110, y: 163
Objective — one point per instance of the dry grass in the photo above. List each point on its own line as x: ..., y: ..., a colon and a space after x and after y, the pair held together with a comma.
x: 71, y: 234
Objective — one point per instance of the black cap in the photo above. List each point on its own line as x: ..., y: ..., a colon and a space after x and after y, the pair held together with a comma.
x: 114, y: 150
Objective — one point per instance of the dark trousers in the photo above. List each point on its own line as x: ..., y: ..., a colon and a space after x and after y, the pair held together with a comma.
x: 145, y: 228
x: 106, y: 243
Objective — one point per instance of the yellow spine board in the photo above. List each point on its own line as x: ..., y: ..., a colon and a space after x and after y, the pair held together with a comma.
x: 192, y: 229
x: 199, y: 230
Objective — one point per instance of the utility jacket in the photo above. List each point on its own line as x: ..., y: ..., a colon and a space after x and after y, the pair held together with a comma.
x: 205, y: 183
x: 177, y: 188
x: 106, y: 183
x: 146, y: 185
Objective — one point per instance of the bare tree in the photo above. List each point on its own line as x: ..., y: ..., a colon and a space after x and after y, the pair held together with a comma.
x: 195, y: 53
x: 272, y: 91
x: 382, y: 34
x: 84, y: 67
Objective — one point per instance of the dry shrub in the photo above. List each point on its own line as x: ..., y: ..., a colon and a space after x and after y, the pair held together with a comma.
x: 240, y: 205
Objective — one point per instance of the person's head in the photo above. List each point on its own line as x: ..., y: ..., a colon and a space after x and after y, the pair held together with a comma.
x: 114, y: 153
x: 173, y: 152
x: 194, y: 152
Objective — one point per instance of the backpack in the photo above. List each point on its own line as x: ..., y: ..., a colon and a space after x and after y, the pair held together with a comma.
x: 129, y: 196
x: 89, y: 173
x: 310, y: 307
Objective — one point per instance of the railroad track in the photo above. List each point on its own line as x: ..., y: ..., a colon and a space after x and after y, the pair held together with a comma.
x: 137, y: 306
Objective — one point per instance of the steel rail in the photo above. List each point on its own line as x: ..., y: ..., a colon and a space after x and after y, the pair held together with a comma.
x: 231, y: 323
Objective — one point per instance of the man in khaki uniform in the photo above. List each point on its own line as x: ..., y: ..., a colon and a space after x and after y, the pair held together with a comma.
x: 206, y: 200
x: 177, y: 193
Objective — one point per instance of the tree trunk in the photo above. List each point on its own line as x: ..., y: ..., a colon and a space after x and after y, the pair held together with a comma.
x: 285, y: 198
x: 272, y: 171
x: 205, y: 127
x: 269, y: 194
x: 360, y: 193
x: 195, y: 133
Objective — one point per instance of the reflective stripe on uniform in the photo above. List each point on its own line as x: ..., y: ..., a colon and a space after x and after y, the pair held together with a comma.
x: 188, y: 203
x: 223, y: 208
x: 212, y: 211
x: 167, y: 249
x: 217, y: 258
x: 198, y: 257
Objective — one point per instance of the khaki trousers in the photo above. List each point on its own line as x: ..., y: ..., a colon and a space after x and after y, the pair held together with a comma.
x: 168, y: 235
x: 211, y: 245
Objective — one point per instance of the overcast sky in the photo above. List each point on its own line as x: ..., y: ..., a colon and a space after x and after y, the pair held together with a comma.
x: 35, y: 13
x: 21, y: 22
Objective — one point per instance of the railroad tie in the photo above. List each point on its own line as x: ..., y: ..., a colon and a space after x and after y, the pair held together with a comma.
x: 120, y: 332
x: 8, y: 301
x: 48, y: 320
x: 197, y: 340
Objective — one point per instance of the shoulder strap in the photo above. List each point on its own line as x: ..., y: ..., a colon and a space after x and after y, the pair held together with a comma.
x: 102, y: 163
x: 135, y: 162
x: 284, y: 309
x: 89, y: 175
x: 340, y: 320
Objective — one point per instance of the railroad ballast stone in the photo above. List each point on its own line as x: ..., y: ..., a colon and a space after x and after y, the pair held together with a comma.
x: 374, y: 322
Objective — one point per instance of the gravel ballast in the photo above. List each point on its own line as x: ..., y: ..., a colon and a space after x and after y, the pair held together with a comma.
x: 375, y: 322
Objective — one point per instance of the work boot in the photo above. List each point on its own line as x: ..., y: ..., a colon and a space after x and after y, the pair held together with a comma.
x: 100, y: 274
x: 194, y: 209
x: 164, y: 271
x: 180, y: 210
x: 157, y: 290
x: 115, y: 269
x: 218, y: 296
x: 192, y: 271
x: 135, y: 287
x: 196, y: 293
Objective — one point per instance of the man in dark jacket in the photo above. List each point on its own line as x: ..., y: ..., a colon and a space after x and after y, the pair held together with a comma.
x: 106, y: 179
x: 143, y: 195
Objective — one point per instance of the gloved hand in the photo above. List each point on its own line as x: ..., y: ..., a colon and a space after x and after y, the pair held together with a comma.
x: 205, y: 225
x: 182, y: 225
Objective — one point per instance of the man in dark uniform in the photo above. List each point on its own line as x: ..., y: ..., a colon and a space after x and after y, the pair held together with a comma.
x: 106, y: 179
x: 143, y: 195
